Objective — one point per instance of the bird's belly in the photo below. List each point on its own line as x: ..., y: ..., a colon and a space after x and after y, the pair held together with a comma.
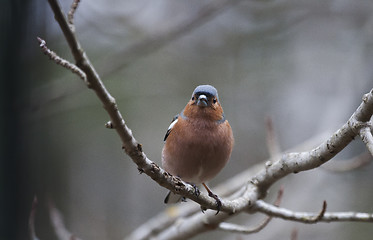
x: 197, y: 161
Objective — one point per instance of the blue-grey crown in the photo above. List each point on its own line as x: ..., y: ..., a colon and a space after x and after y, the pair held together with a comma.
x: 207, y: 90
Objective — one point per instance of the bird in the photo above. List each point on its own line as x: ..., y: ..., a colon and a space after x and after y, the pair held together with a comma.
x: 198, y: 142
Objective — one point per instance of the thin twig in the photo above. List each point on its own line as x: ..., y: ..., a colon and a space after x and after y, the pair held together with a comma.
x: 235, y: 228
x: 58, y: 224
x: 280, y: 193
x: 231, y: 227
x: 60, y: 61
x: 320, y: 215
x: 109, y: 125
x: 294, y: 234
x: 73, y: 8
x: 31, y: 222
x: 306, y: 217
x: 273, y: 145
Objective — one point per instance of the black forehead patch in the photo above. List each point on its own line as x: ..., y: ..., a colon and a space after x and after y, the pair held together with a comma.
x: 207, y: 90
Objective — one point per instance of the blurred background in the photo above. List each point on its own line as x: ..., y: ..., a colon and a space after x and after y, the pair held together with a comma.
x: 304, y: 64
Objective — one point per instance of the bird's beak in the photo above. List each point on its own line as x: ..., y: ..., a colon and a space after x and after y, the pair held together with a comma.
x: 202, y: 101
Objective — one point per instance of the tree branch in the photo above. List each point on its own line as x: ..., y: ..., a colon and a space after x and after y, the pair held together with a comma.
x: 31, y: 221
x: 366, y: 136
x: 60, y: 61
x: 294, y: 234
x: 273, y: 145
x: 230, y: 227
x: 235, y: 228
x: 302, y: 161
x: 58, y: 224
x: 73, y: 8
x: 306, y: 217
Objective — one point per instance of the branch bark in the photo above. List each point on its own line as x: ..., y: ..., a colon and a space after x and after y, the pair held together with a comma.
x: 366, y: 136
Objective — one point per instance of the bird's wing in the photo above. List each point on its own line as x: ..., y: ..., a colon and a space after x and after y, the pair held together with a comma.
x: 174, y: 121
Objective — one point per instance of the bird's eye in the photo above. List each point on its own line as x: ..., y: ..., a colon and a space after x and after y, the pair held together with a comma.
x: 193, y: 98
x: 214, y: 100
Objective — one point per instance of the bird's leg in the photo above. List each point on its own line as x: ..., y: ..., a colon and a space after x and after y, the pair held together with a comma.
x: 196, y: 190
x: 214, y: 196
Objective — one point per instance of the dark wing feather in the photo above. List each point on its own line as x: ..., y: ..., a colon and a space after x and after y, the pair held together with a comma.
x: 170, y: 127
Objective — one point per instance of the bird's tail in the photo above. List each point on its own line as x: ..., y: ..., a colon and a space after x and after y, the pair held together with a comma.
x: 172, y: 198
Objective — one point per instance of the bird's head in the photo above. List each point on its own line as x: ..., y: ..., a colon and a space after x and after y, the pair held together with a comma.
x: 205, y: 96
x: 204, y: 103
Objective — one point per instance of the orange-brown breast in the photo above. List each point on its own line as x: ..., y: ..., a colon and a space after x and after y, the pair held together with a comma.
x: 211, y: 113
x: 198, y: 147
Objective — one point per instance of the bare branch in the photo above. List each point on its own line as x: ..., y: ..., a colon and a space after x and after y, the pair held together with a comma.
x: 60, y: 61
x: 302, y: 161
x: 320, y: 215
x: 73, y: 8
x: 306, y: 217
x: 294, y: 234
x: 109, y: 125
x: 230, y: 227
x: 31, y: 221
x: 280, y: 193
x: 235, y: 228
x: 58, y: 225
x: 272, y: 141
x: 367, y: 138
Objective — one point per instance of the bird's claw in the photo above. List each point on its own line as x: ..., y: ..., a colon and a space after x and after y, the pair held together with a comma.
x: 197, y: 192
x: 218, y: 202
x: 214, y: 196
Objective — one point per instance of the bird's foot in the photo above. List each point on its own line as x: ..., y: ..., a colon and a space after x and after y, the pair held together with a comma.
x: 218, y: 201
x: 197, y: 192
x: 214, y: 196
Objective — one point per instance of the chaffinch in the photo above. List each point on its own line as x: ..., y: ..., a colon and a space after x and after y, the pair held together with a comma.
x: 198, y: 142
